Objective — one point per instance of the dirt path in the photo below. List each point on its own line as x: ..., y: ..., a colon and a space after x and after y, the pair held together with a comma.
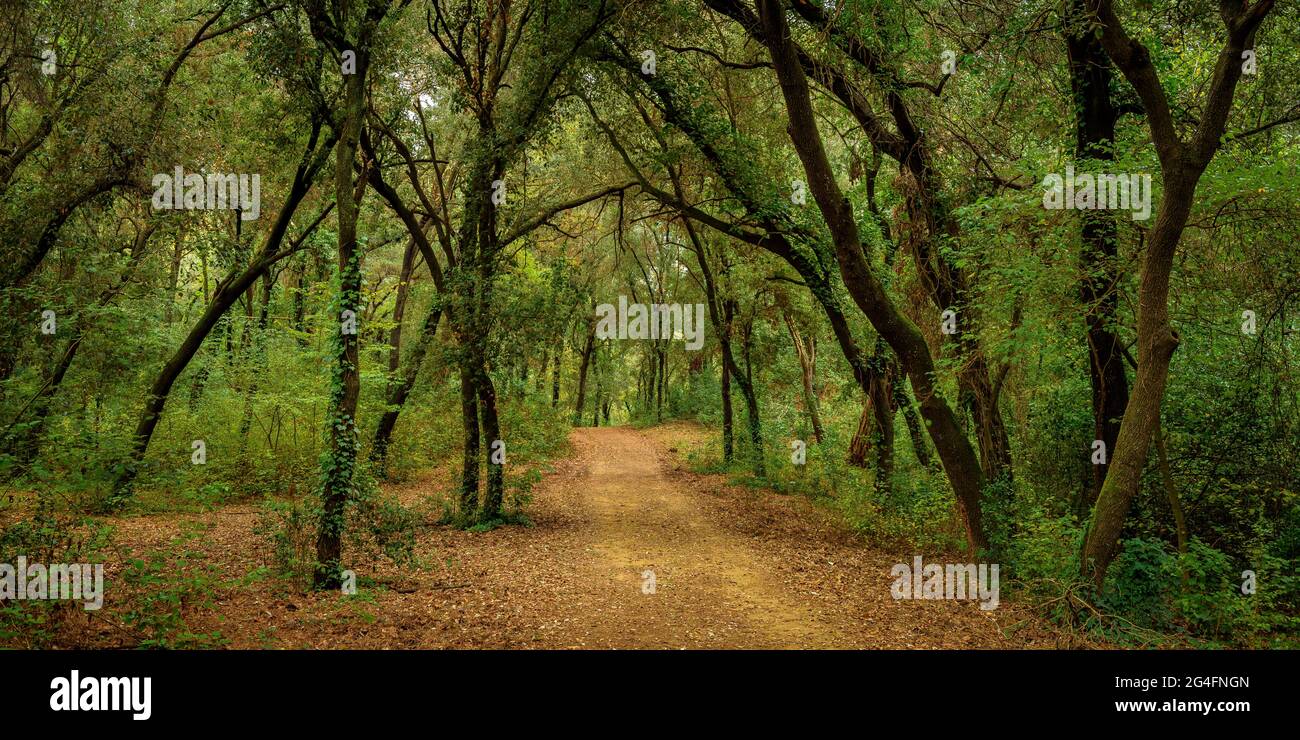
x: 732, y: 567
x: 667, y: 575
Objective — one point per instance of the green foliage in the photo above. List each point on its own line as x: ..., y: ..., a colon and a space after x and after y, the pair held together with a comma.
x: 1202, y: 593
x: 381, y: 525
x: 47, y: 536
x: 166, y: 584
x: 374, y: 525
x: 289, y: 531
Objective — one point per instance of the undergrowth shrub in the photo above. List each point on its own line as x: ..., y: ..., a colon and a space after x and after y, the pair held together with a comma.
x: 47, y: 536
x: 376, y: 526
x: 162, y: 586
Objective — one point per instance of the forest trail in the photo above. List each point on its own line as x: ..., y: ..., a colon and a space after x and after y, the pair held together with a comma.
x: 733, y: 566
x: 672, y: 577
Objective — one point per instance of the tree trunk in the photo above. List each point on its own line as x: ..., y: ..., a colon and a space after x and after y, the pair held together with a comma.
x: 1181, y: 163
x: 469, y: 471
x: 600, y: 387
x: 746, y: 382
x: 919, y: 447
x: 1156, y: 342
x: 397, y: 386
x: 399, y: 313
x: 1171, y: 490
x: 26, y: 444
x: 400, y: 390
x: 882, y: 404
x: 807, y: 365
x: 256, y: 362
x: 495, y: 494
x: 960, y: 462
x: 661, y: 382
x: 540, y: 381
x: 226, y: 294
x: 173, y: 277
x: 300, y: 300
x: 340, y: 462
x: 1095, y: 119
x: 876, y: 430
x: 728, y: 435
x: 860, y: 445
x: 555, y: 376
x: 580, y: 403
x: 755, y: 428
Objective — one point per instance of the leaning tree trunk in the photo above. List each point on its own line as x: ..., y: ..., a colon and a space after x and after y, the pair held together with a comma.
x: 721, y: 311
x: 904, y: 402
x: 807, y: 365
x: 396, y: 393
x: 399, y: 311
x: 227, y: 293
x: 400, y: 390
x: 960, y: 462
x: 257, y: 364
x: 25, y: 444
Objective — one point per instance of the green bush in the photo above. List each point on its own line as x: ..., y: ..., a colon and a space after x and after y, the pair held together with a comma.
x: 46, y: 537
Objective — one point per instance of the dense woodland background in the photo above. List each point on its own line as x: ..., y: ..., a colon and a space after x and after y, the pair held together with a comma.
x: 827, y: 178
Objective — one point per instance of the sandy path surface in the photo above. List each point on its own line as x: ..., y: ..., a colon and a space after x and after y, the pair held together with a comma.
x: 666, y: 574
x: 732, y: 567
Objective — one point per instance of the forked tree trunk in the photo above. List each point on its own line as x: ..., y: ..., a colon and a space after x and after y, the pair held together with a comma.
x: 1181, y: 163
